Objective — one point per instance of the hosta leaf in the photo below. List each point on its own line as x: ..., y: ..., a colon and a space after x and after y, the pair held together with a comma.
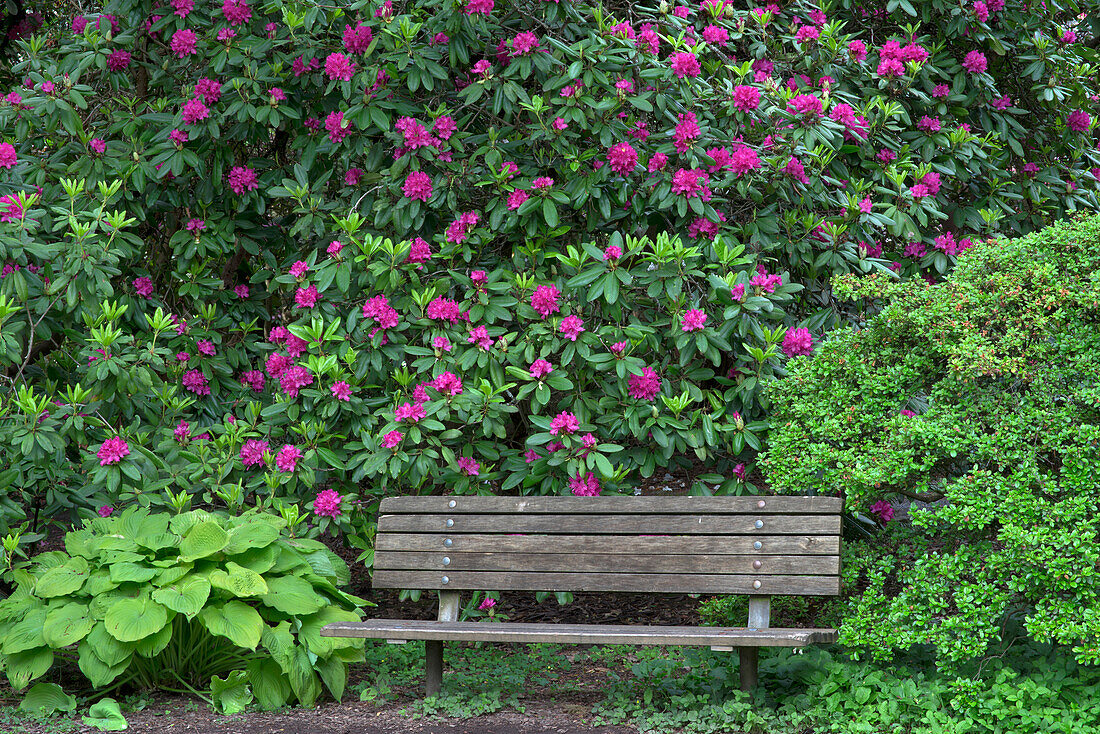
x: 269, y: 683
x: 152, y: 645
x: 95, y: 670
x: 106, y: 648
x: 186, y: 596
x: 121, y: 572
x: 252, y: 535
x: 26, y: 634
x: 232, y: 695
x: 158, y: 542
x: 47, y: 699
x: 67, y: 625
x: 234, y: 620
x: 239, y: 581
x: 183, y: 522
x: 105, y: 716
x: 172, y: 574
x: 303, y: 681
x: 310, y: 634
x: 334, y: 672
x: 99, y: 582
x: 64, y: 579
x: 130, y: 620
x: 23, y: 667
x: 204, y: 539
x: 259, y: 560
x: 292, y: 595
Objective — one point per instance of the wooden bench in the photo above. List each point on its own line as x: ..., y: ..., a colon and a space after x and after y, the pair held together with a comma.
x: 760, y: 546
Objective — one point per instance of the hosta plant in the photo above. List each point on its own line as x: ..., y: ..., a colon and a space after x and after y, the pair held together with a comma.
x: 227, y: 608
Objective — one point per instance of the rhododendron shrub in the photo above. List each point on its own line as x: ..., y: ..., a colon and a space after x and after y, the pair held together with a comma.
x: 976, y: 399
x: 265, y: 221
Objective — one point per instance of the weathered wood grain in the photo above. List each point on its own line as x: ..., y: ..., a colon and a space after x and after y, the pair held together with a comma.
x: 446, y: 559
x: 616, y: 505
x: 636, y: 582
x: 578, y: 633
x: 598, y: 524
x: 611, y: 544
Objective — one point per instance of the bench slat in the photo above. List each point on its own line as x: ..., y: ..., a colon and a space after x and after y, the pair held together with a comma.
x: 667, y: 545
x: 593, y: 524
x: 617, y: 505
x: 607, y: 563
x: 597, y: 634
x: 636, y: 582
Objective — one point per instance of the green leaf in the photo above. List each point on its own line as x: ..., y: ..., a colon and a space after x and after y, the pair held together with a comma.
x: 130, y: 620
x: 204, y: 539
x: 152, y: 645
x: 47, y: 699
x: 269, y: 683
x: 310, y: 634
x: 234, y: 620
x: 26, y: 633
x: 23, y: 667
x: 67, y: 625
x: 334, y: 673
x: 109, y: 650
x: 126, y: 571
x: 105, y: 716
x: 292, y: 595
x: 231, y: 695
x: 238, y: 581
x: 64, y: 579
x: 186, y: 596
x: 252, y: 535
x: 549, y: 212
x: 97, y: 672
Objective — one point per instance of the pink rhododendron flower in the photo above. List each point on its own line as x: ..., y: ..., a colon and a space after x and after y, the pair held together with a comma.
x: 236, y: 12
x: 205, y: 346
x: 184, y: 43
x: 306, y: 297
x: 338, y: 128
x: 806, y: 105
x: 716, y: 35
x: 351, y: 178
x: 444, y: 309
x: 857, y: 51
x: 448, y: 383
x: 656, y: 162
x: 883, y: 510
x: 540, y: 368
x: 357, y: 40
x: 252, y: 452
x: 288, y: 457
x: 1078, y: 121
x: 392, y: 439
x: 8, y: 157
x: 487, y: 604
x: 341, y: 391
x: 293, y: 379
x: 194, y: 110
x: 143, y: 286
x: 241, y: 179
x: 622, y: 158
x: 195, y: 381
x: 612, y: 253
x: 418, y: 186
x: 327, y: 503
x: 480, y: 336
x: 685, y: 64
x: 571, y: 327
x: 253, y: 379
x: 797, y: 341
x: 112, y: 451
x: 545, y: 300
x: 645, y: 386
x: 585, y: 486
x: 419, y: 252
x: 693, y: 320
x: 564, y: 421
x: 299, y: 268
x: 469, y: 466
x: 339, y: 67
x: 975, y: 62
x: 409, y: 412
x: 460, y: 228
x: 105, y: 511
x: 441, y: 343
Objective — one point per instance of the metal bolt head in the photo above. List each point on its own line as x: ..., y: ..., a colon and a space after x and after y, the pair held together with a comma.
x: 757, y: 545
x: 755, y: 564
x: 759, y: 524
x: 761, y: 504
x: 450, y: 523
x: 446, y: 561
x: 452, y: 503
x: 755, y: 584
x: 447, y: 580
x: 448, y: 542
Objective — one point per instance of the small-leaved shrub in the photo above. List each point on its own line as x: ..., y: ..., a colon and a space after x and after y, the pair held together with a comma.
x: 977, y: 399
x: 230, y: 609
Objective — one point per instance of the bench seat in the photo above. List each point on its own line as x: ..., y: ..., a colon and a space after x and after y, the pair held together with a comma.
x: 402, y: 630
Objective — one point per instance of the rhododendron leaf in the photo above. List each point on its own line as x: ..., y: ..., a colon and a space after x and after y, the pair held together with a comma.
x: 66, y: 625
x: 204, y: 539
x: 186, y: 596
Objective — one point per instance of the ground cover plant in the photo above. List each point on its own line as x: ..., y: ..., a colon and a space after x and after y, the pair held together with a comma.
x: 978, y: 395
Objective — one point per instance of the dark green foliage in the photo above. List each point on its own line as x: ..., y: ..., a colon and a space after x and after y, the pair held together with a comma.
x: 1001, y: 364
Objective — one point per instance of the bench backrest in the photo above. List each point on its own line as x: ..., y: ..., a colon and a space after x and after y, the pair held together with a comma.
x: 694, y: 545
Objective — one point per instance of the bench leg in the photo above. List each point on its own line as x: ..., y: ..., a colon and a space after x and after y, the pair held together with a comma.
x: 747, y: 667
x: 433, y: 667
